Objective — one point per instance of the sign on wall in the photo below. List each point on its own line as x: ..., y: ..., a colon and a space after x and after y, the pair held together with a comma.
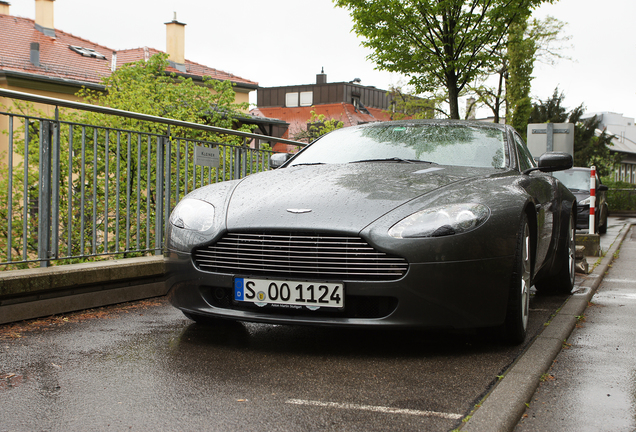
x: 545, y: 137
x: 206, y: 156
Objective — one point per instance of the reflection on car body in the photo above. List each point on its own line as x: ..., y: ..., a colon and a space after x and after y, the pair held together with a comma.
x: 433, y: 224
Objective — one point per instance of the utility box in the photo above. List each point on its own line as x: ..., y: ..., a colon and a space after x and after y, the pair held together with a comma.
x: 545, y: 137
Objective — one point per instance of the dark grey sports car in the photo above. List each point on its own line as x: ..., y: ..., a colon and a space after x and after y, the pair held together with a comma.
x: 435, y: 224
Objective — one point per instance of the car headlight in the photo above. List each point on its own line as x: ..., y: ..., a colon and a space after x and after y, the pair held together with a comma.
x: 441, y: 221
x: 586, y: 201
x: 193, y: 214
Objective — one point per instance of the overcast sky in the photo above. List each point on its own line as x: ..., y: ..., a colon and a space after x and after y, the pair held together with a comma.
x: 287, y: 42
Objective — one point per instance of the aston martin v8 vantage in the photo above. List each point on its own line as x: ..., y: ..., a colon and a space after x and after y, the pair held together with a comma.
x: 429, y: 224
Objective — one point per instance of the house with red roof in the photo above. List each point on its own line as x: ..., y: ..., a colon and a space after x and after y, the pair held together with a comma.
x: 348, y: 102
x: 36, y: 57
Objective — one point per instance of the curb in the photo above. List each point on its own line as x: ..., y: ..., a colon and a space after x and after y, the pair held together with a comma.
x: 503, y: 407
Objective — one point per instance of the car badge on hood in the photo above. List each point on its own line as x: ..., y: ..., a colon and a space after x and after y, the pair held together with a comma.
x: 297, y: 211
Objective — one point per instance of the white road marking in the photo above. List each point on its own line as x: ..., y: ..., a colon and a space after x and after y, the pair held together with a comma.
x: 381, y: 409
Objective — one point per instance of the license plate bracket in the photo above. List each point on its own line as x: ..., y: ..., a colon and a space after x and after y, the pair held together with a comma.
x: 311, y: 294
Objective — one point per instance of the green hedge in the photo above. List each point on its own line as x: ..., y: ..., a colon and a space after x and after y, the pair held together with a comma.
x: 621, y: 195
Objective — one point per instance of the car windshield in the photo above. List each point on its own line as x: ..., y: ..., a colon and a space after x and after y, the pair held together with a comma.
x: 574, y: 179
x: 463, y: 145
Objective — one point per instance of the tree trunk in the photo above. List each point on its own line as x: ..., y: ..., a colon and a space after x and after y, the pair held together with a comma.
x: 499, y: 93
x: 453, y: 98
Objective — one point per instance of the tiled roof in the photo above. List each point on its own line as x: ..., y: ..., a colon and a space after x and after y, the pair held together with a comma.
x: 58, y: 61
x: 191, y: 68
x: 56, y: 58
x: 299, y: 117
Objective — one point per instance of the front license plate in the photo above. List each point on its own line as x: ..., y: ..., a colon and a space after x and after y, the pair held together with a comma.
x: 278, y: 292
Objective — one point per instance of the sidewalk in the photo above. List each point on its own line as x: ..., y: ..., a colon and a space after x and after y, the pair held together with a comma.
x: 592, y: 383
x: 513, y: 404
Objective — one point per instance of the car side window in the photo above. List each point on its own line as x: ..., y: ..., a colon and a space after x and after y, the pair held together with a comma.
x: 526, y: 160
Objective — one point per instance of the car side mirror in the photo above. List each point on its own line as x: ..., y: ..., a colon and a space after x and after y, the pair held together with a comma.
x: 602, y: 188
x: 278, y: 159
x: 553, y: 161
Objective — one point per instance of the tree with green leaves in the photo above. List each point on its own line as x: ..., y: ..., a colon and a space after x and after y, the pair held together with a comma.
x: 145, y: 87
x: 317, y: 126
x: 551, y: 110
x: 436, y: 43
x: 528, y: 41
x: 406, y: 105
x: 521, y: 54
x: 106, y: 159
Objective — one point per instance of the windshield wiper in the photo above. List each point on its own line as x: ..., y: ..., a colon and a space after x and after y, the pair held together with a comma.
x: 307, y: 163
x: 394, y: 159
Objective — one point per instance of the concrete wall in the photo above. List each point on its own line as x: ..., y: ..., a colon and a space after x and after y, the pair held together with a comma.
x: 34, y: 293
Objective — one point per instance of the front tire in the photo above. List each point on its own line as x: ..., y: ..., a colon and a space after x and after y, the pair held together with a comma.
x: 602, y: 229
x: 563, y: 281
x: 516, y: 324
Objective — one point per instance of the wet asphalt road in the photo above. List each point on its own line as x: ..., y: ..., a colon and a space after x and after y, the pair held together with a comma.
x: 143, y: 366
x: 592, y: 383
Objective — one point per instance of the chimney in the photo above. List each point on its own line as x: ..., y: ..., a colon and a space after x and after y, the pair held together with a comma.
x: 4, y: 7
x: 35, y: 54
x: 321, y: 78
x: 44, y: 13
x: 175, y: 40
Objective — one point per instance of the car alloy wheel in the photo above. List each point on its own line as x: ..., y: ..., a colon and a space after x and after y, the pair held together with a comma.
x: 525, y: 276
x: 571, y: 252
x: 516, y: 324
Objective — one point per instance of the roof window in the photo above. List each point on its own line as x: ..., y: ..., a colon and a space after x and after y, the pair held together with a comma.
x: 87, y: 52
x: 291, y: 99
x: 306, y: 98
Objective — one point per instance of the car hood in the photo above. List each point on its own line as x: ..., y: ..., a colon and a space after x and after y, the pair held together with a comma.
x: 343, y: 197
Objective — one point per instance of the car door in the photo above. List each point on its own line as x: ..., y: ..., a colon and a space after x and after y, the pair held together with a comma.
x: 541, y: 187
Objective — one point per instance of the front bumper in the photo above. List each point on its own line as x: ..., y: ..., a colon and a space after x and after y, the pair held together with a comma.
x: 460, y: 294
x: 583, y: 217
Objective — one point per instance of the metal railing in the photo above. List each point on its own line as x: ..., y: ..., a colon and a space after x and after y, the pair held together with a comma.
x: 77, y: 191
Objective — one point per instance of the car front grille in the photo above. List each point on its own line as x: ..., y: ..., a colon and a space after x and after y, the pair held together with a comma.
x: 355, y: 306
x: 326, y: 257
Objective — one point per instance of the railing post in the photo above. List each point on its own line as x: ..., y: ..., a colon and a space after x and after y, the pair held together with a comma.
x: 237, y: 162
x: 10, y: 193
x: 245, y: 152
x: 55, y: 185
x: 44, y: 201
x: 159, y: 185
x: 168, y: 185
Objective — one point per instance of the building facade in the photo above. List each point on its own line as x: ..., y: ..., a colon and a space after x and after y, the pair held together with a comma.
x: 624, y: 130
x: 348, y: 102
